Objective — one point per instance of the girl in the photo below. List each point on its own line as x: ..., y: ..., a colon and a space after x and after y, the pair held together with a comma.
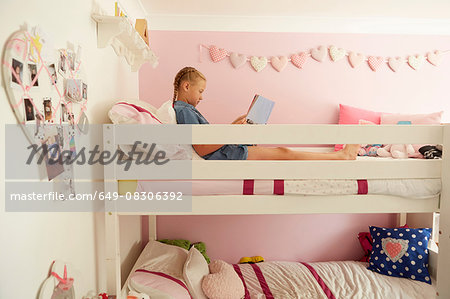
x: 189, y: 84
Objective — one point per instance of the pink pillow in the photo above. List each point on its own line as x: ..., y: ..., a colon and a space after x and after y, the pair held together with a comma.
x: 415, y: 119
x: 349, y: 115
x: 126, y: 113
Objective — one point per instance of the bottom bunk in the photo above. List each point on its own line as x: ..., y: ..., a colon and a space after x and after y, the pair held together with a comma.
x: 167, y: 271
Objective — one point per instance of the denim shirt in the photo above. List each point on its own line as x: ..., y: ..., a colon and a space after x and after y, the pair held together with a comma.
x: 187, y: 114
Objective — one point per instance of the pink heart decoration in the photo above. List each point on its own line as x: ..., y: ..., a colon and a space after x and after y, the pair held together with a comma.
x: 217, y: 54
x: 434, y: 57
x: 395, y: 63
x: 237, y: 60
x: 375, y: 63
x: 355, y: 59
x: 394, y: 248
x: 337, y: 53
x: 279, y: 63
x: 299, y: 59
x: 258, y: 63
x: 416, y: 62
x: 319, y: 53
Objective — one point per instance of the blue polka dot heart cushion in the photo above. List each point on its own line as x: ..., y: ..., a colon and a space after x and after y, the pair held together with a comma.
x: 400, y: 252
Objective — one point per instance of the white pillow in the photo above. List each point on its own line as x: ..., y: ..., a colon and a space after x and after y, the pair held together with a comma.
x: 195, y: 268
x: 166, y: 113
x: 160, y: 274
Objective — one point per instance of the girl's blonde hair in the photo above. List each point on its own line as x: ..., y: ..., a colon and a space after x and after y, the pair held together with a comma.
x: 185, y: 74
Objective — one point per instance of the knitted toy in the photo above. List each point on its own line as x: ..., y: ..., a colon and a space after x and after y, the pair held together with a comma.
x: 223, y: 282
x: 399, y: 151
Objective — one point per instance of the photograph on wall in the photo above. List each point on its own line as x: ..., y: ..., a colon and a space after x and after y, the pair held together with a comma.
x: 84, y: 91
x: 47, y: 102
x: 64, y: 115
x: 29, y: 109
x: 62, y: 62
x: 33, y: 73
x: 53, y: 163
x: 17, y: 72
x: 53, y: 76
x: 71, y: 60
x: 73, y: 90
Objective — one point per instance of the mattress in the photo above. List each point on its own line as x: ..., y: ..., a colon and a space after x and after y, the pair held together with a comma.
x: 411, y: 188
x: 326, y: 280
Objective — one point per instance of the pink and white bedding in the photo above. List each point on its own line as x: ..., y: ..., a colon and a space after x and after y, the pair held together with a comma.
x: 411, y: 188
x: 325, y: 280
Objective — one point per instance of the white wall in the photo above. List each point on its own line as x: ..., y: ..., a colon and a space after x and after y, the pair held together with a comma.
x: 29, y: 242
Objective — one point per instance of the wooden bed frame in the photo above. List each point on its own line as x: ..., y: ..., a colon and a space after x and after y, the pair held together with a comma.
x: 115, y: 135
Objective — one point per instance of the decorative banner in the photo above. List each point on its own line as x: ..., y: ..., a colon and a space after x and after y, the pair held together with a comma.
x: 375, y: 63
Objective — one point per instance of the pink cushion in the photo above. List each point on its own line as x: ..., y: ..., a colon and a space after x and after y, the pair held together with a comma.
x: 223, y: 282
x: 349, y: 115
x: 415, y: 119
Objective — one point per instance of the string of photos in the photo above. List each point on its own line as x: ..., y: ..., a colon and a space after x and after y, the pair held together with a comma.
x: 375, y: 63
x: 47, y: 91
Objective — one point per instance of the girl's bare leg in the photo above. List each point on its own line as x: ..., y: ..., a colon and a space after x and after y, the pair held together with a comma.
x: 349, y: 152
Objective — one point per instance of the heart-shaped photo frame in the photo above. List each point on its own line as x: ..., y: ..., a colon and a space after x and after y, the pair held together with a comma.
x: 44, y: 86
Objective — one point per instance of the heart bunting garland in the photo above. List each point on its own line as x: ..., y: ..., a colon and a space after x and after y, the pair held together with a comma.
x: 375, y: 63
x: 299, y: 59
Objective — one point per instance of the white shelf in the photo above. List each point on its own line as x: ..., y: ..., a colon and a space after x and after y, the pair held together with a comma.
x: 125, y: 40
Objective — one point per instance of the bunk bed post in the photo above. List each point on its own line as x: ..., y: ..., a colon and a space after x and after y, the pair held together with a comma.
x: 152, y: 227
x: 443, y: 270
x: 112, y: 240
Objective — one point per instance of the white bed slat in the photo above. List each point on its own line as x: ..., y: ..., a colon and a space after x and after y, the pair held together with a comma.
x: 279, y: 134
x: 292, y: 204
x: 360, y: 169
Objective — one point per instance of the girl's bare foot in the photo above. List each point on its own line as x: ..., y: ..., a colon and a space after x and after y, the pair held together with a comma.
x: 350, y: 151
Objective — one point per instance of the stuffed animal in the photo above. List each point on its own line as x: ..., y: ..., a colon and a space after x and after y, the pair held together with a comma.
x: 223, y: 282
x: 400, y: 151
x: 369, y: 150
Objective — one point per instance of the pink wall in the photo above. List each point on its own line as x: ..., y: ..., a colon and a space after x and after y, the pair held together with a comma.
x: 310, y: 95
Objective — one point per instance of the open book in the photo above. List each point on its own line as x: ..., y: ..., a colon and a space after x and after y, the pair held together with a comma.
x: 259, y: 110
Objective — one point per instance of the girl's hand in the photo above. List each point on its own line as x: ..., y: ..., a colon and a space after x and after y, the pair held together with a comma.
x: 240, y: 120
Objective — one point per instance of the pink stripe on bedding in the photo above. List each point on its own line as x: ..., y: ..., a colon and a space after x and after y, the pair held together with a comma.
x: 239, y: 273
x: 262, y: 281
x: 363, y: 187
x: 278, y: 187
x: 166, y: 276
x: 140, y: 109
x: 321, y: 283
x: 248, y: 187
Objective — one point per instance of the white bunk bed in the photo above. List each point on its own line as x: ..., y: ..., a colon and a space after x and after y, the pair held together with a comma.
x: 382, y: 168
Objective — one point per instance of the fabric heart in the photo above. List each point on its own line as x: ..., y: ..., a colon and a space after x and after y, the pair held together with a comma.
x: 434, y: 57
x: 299, y: 59
x: 394, y: 248
x: 237, y: 60
x: 416, y: 62
x: 279, y: 63
x: 355, y: 59
x: 337, y: 53
x: 217, y: 54
x: 258, y: 63
x: 375, y: 63
x: 319, y: 53
x: 395, y: 63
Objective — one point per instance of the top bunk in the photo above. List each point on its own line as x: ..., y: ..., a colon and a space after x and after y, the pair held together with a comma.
x: 274, y: 135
